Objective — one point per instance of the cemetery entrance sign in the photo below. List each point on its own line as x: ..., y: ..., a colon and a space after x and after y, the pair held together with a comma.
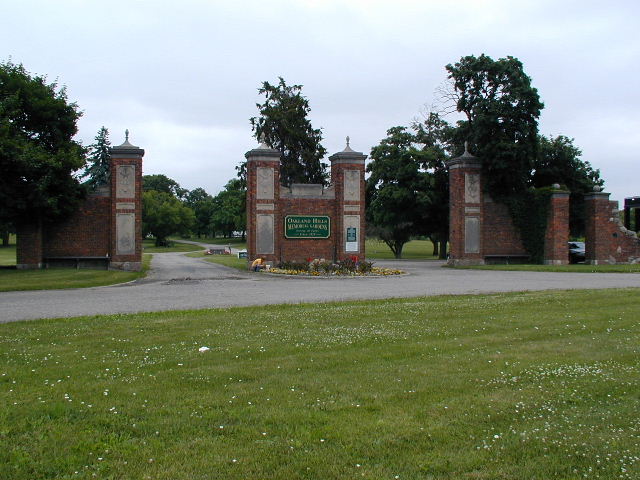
x: 307, y: 226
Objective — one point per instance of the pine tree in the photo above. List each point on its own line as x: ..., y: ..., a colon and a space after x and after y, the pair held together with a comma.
x: 98, y: 159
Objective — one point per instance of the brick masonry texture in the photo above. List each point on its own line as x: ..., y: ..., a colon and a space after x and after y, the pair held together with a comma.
x: 331, y: 203
x: 607, y: 240
x: 90, y: 231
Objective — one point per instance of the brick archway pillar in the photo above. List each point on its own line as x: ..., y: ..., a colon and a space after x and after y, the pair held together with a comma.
x: 126, y: 206
x: 465, y: 210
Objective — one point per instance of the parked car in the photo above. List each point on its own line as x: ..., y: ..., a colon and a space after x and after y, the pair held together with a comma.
x: 576, y: 252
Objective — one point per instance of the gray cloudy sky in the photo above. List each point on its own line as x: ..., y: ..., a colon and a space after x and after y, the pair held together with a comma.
x: 182, y: 76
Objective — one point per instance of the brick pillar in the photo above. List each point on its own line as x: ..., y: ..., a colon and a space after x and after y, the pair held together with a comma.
x: 126, y: 206
x: 264, y: 225
x: 348, y: 228
x: 597, y: 241
x: 465, y: 210
x: 29, y: 248
x: 556, y: 246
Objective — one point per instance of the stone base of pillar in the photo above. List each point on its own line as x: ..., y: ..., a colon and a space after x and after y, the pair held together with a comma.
x: 465, y: 262
x: 126, y: 266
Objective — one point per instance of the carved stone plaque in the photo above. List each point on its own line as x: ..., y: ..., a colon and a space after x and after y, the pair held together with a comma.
x: 264, y: 233
x: 126, y: 181
x: 472, y: 188
x: 351, y: 233
x: 125, y: 206
x: 125, y: 233
x: 352, y: 185
x: 265, y: 183
x: 472, y: 235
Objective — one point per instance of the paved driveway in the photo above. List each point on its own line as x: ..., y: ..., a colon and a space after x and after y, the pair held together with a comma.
x: 180, y: 282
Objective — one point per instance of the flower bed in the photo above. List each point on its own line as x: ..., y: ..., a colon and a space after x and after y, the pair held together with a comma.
x: 351, y: 267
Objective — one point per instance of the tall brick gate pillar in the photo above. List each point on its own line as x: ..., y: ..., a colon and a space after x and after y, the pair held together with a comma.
x: 556, y: 246
x: 598, y: 214
x: 126, y: 206
x: 263, y: 192
x: 347, y: 178
x: 465, y: 210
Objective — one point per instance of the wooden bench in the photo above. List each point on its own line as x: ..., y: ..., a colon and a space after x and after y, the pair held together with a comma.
x: 504, y: 259
x: 76, y: 262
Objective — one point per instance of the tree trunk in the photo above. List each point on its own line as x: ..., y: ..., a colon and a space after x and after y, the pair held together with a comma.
x: 435, y: 246
x: 398, y: 250
x: 5, y: 238
x: 443, y: 250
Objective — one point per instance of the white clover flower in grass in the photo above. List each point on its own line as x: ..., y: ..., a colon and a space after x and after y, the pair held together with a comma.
x: 203, y: 349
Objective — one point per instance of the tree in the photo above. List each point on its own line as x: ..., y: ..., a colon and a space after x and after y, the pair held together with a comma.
x: 230, y: 209
x: 558, y: 161
x: 436, y: 137
x: 203, y: 207
x: 37, y: 152
x: 502, y: 110
x: 283, y: 125
x: 397, y: 189
x: 162, y: 183
x: 164, y: 215
x: 98, y: 160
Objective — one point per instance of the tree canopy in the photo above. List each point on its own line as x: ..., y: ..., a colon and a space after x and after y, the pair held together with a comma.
x: 37, y: 152
x: 502, y: 110
x: 162, y: 183
x: 164, y: 215
x: 396, y: 189
x: 283, y: 125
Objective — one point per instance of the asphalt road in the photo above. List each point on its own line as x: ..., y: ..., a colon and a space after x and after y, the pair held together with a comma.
x: 178, y: 282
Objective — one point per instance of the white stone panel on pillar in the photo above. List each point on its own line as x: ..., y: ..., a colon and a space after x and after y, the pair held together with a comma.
x: 125, y: 233
x: 265, y: 190
x: 126, y: 181
x: 264, y: 234
x: 472, y: 235
x: 351, y: 233
x: 352, y: 185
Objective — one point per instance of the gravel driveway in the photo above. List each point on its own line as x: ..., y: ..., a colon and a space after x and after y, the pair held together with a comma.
x: 180, y: 282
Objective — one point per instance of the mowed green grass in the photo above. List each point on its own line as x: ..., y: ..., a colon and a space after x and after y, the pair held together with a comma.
x: 149, y: 246
x: 575, y: 268
x: 8, y: 255
x: 537, y: 385
x: 227, y: 260
x: 413, y: 250
x: 62, y: 278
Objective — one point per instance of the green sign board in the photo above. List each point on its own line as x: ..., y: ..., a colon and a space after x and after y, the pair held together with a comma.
x: 307, y: 226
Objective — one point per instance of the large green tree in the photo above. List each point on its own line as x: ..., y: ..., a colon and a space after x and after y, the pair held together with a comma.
x: 558, y: 161
x: 99, y: 159
x: 162, y: 183
x: 37, y: 152
x: 229, y: 213
x: 163, y: 215
x: 397, y: 189
x: 502, y: 110
x: 282, y: 124
x: 203, y: 206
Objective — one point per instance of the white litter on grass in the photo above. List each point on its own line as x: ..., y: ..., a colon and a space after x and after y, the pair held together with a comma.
x: 204, y: 349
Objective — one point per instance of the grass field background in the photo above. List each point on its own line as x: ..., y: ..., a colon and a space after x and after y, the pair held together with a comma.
x: 524, y: 385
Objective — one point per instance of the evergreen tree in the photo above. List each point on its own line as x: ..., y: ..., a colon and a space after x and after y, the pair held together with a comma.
x: 98, y: 160
x: 283, y: 125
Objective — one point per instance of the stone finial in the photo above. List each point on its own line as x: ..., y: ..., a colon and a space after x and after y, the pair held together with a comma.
x: 597, y: 188
x: 556, y: 186
x: 348, y: 148
x: 126, y: 135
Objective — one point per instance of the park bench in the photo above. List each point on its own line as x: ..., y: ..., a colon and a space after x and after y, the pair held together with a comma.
x: 77, y: 262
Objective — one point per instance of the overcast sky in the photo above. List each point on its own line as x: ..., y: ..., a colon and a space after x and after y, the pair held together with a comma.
x: 183, y: 75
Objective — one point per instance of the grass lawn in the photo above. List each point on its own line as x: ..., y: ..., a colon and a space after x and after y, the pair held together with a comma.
x: 58, y: 278
x: 149, y: 246
x: 413, y: 250
x: 516, y: 386
x: 226, y: 260
x: 238, y: 243
x: 577, y: 268
x: 8, y: 255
